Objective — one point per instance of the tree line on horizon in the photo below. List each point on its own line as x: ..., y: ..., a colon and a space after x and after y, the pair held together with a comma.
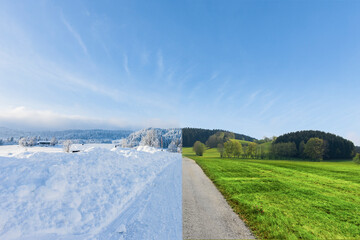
x: 334, y: 147
x: 313, y: 145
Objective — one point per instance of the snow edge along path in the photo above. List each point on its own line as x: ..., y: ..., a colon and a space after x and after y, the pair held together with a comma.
x: 158, y: 213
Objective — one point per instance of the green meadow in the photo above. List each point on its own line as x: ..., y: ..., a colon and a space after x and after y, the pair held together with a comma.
x: 281, y: 199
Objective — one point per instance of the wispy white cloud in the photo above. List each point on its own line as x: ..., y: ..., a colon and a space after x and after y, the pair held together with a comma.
x: 44, y: 71
x: 160, y: 62
x: 251, y: 98
x: 200, y: 85
x: 144, y: 57
x: 222, y: 91
x: 126, y: 65
x: 47, y: 72
x: 22, y: 65
x: 214, y: 75
x: 86, y: 12
x: 253, y: 95
x: 75, y: 34
x: 268, y: 106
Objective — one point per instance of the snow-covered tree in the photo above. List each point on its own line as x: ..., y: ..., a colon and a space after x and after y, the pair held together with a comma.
x: 66, y: 145
x: 23, y: 142
x: 150, y: 139
x: 32, y: 141
x: 53, y: 141
x: 172, y: 147
x: 144, y: 136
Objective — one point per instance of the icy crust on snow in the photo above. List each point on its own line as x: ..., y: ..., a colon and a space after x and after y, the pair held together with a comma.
x: 78, y: 195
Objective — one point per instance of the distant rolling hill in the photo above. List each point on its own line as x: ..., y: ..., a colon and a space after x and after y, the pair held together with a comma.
x: 97, y: 135
x: 191, y: 135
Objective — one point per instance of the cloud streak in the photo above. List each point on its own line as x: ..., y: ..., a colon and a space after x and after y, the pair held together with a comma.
x: 44, y: 71
x: 160, y: 62
x: 75, y: 34
x: 252, y: 98
x: 126, y: 64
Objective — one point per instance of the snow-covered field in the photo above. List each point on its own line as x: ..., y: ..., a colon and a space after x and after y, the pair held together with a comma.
x: 18, y: 151
x: 99, y: 193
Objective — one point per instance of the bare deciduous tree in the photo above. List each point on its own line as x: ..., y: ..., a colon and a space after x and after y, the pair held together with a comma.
x: 67, y: 145
x: 53, y: 141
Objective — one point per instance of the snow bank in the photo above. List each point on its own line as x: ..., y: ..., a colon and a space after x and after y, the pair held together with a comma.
x: 77, y: 196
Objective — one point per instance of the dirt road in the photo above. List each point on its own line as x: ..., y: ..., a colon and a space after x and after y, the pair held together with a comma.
x: 206, y: 214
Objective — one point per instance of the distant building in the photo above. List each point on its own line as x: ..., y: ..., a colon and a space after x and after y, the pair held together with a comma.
x: 44, y: 143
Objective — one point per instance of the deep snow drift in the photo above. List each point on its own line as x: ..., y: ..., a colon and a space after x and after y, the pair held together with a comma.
x: 95, y: 194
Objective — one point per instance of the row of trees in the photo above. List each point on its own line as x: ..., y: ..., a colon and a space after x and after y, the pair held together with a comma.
x: 230, y: 148
x: 233, y: 148
x: 10, y: 141
x: 7, y: 141
x: 314, y: 148
x: 219, y: 138
x: 265, y: 140
x: 10, y: 136
x: 27, y: 141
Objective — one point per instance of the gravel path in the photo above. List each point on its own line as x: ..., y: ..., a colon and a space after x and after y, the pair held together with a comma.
x: 206, y: 214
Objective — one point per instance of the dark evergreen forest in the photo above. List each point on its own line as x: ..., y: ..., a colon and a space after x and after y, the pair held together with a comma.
x: 336, y: 147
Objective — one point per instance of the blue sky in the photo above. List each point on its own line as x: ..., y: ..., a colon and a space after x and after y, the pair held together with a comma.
x: 261, y: 68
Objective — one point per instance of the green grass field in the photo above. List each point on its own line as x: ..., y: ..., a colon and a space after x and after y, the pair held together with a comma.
x: 289, y: 199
